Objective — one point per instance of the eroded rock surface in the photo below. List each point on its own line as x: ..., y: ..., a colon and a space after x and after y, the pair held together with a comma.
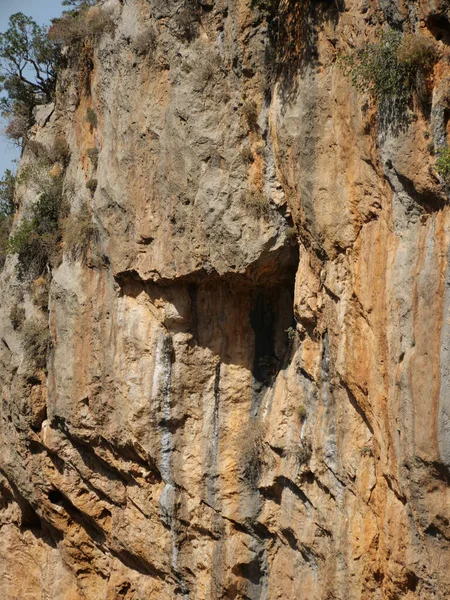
x: 247, y: 393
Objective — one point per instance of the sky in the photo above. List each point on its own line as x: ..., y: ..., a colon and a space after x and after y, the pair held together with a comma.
x: 41, y: 11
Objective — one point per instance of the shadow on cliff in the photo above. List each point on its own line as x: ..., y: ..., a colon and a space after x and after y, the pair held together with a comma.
x: 242, y: 318
x: 293, y: 41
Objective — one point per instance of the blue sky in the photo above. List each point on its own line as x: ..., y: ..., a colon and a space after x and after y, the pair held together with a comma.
x: 41, y: 11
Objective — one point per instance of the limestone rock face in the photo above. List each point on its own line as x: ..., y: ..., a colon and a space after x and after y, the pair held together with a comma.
x: 247, y: 389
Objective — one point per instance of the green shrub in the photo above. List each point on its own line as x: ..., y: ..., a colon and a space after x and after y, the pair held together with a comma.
x: 93, y: 156
x: 7, y: 209
x: 17, y: 316
x: 247, y: 155
x: 7, y: 189
x: 443, y: 164
x: 81, y: 26
x: 257, y: 203
x: 250, y: 112
x: 302, y: 412
x: 389, y: 68
x: 41, y: 293
x: 60, y: 151
x: 291, y: 233
x: 36, y: 239
x: 250, y: 447
x: 366, y: 451
x: 304, y: 452
x: 91, y: 118
x: 79, y: 233
x: 91, y: 185
x: 291, y: 333
x: 146, y: 42
x: 36, y: 342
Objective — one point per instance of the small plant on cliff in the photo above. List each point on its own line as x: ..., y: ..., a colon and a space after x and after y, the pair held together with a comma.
x: 36, y: 239
x: 7, y: 208
x: 250, y: 447
x: 256, y: 203
x: 443, y: 164
x: 17, y: 316
x: 250, y: 112
x: 391, y: 68
x: 92, y: 154
x: 81, y: 25
x: 91, y: 118
x: 29, y: 62
x: 79, y: 233
x: 91, y: 185
x: 146, y: 42
x: 36, y: 342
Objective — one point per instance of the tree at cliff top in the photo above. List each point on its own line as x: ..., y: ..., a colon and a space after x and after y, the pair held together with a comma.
x: 28, y: 61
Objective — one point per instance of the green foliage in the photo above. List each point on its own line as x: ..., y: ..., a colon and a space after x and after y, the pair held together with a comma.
x: 91, y: 117
x: 80, y: 4
x: 17, y: 316
x: 83, y: 25
x: 28, y: 61
x: 250, y: 112
x: 37, y: 237
x: 93, y: 156
x: 257, y: 203
x: 389, y: 68
x: 267, y: 7
x: 36, y: 342
x: 146, y: 42
x: 7, y: 187
x: 443, y: 164
x: 79, y: 233
x: 91, y: 185
x: 291, y: 233
x: 7, y: 208
x: 250, y: 446
x: 302, y: 412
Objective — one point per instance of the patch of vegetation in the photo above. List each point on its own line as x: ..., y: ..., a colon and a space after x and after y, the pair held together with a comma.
x: 91, y: 118
x: 247, y: 155
x: 17, y: 316
x: 250, y: 445
x: 257, y: 203
x: 91, y: 185
x: 302, y: 412
x: 36, y: 239
x: 146, y: 42
x: 391, y: 68
x: 366, y: 451
x: 7, y: 209
x: 186, y: 22
x: 29, y: 61
x: 40, y: 293
x: 304, y: 452
x: 92, y: 154
x: 80, y: 233
x: 291, y: 333
x: 36, y: 342
x: 250, y: 112
x: 443, y: 164
x: 81, y: 26
x: 291, y: 233
x: 267, y: 7
x: 60, y: 151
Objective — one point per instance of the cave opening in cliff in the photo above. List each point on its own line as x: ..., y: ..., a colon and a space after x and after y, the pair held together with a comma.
x: 272, y: 320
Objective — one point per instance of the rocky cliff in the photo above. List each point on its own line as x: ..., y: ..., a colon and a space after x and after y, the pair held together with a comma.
x: 246, y: 392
